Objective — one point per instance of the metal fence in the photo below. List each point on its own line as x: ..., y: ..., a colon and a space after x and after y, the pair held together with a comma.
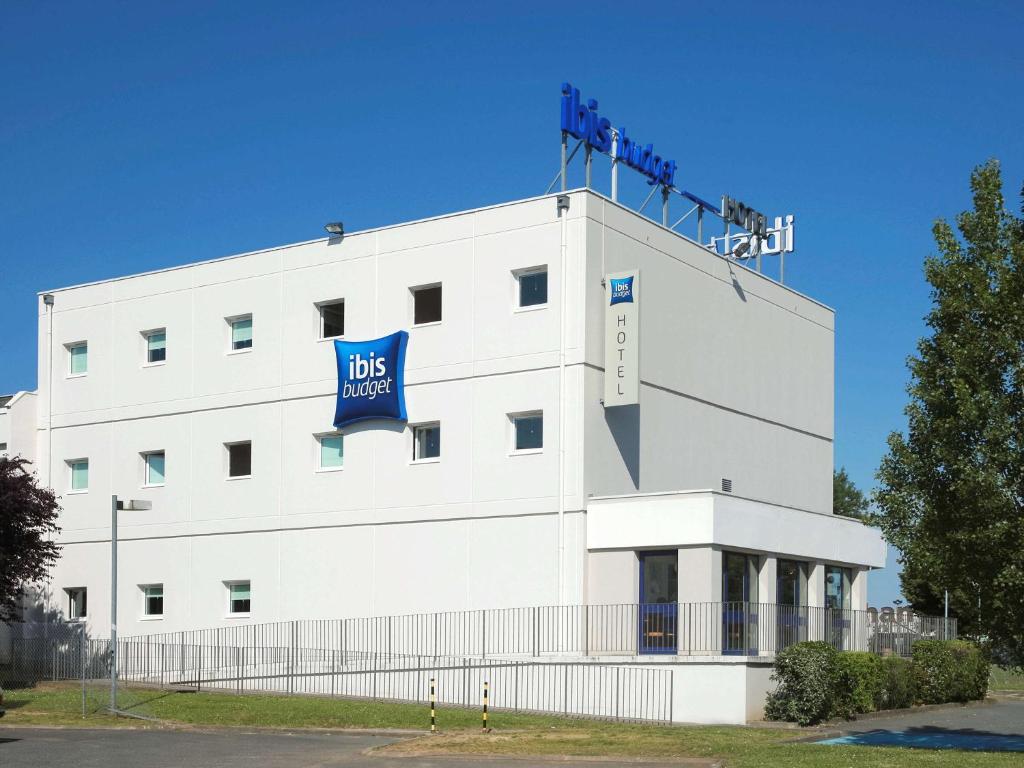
x: 596, y: 661
x: 683, y: 629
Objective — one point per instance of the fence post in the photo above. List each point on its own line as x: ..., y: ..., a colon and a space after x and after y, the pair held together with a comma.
x: 291, y: 659
x: 586, y: 630
x: 536, y: 629
x: 483, y: 634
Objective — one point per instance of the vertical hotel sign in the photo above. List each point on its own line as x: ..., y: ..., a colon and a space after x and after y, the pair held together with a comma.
x: 622, y: 339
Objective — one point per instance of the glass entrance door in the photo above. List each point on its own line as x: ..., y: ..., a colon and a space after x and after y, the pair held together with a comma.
x: 659, y: 599
x: 739, y: 604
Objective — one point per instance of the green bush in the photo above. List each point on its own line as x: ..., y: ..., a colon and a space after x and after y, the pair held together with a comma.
x: 807, y: 676
x: 899, y: 683
x: 859, y: 683
x: 950, y: 670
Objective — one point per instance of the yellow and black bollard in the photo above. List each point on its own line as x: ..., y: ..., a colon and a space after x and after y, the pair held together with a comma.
x: 484, y: 728
x: 433, y: 706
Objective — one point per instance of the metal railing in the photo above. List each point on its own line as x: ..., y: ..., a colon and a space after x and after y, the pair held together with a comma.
x: 684, y: 629
x: 594, y: 661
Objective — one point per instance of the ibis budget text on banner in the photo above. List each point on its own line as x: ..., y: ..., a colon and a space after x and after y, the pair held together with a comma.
x: 371, y: 379
x: 622, y: 339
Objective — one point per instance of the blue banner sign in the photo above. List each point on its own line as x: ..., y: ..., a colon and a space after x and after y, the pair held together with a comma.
x: 581, y: 121
x: 371, y: 379
x: 622, y: 290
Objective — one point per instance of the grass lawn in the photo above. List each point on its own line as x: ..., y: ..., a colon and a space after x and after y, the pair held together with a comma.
x: 1001, y: 680
x: 514, y: 734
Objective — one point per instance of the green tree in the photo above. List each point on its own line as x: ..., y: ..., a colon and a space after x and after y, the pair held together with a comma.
x: 951, y: 494
x: 28, y: 520
x: 847, y: 498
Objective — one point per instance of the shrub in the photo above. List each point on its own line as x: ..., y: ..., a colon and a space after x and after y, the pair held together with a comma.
x: 807, y: 679
x: 950, y: 670
x: 858, y: 684
x: 899, y: 683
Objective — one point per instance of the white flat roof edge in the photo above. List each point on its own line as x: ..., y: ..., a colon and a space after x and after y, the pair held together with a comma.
x: 724, y: 495
x: 286, y: 246
x: 425, y: 220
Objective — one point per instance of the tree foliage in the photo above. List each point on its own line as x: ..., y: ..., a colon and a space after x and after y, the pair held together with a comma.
x: 28, y: 521
x: 847, y: 498
x: 951, y: 493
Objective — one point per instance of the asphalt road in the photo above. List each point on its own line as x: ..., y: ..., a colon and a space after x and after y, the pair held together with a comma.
x: 995, y: 726
x: 124, y: 748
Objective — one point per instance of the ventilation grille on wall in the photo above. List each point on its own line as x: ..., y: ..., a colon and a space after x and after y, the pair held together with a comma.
x: 726, y: 485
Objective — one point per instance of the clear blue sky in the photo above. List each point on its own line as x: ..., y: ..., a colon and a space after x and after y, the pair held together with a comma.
x: 142, y: 135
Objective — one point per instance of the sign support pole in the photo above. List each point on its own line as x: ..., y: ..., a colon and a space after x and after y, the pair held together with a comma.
x: 664, y: 205
x: 588, y: 161
x: 615, y: 166
x: 565, y: 150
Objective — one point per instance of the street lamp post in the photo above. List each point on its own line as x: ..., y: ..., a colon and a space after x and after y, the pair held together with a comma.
x: 115, y: 505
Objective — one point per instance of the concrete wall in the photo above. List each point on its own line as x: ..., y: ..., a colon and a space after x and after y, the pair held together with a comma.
x: 382, y: 536
x: 736, y: 374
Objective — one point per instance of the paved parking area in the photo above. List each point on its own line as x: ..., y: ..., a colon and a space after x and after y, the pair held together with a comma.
x: 997, y: 726
x: 124, y: 748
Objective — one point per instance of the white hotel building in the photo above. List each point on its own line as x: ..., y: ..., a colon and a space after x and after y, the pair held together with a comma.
x: 209, y: 390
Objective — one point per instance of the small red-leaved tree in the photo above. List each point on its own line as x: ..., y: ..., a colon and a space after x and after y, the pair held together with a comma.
x: 28, y: 519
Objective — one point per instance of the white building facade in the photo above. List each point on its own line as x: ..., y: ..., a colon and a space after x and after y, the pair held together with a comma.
x: 210, y: 389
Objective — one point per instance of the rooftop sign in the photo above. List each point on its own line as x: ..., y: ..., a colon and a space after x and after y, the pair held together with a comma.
x: 581, y: 121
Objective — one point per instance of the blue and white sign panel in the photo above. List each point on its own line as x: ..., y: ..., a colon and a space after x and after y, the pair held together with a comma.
x: 371, y: 379
x: 622, y: 339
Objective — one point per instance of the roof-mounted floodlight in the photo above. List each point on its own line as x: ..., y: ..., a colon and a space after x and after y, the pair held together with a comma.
x: 739, y: 251
x: 335, y: 229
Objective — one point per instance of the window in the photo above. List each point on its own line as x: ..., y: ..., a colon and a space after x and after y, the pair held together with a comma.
x: 239, y: 598
x: 533, y: 287
x: 332, y: 319
x: 426, y: 305
x: 837, y: 587
x: 527, y: 431
x: 78, y: 359
x: 331, y: 453
x: 3, y: 447
x: 426, y: 442
x: 239, y: 459
x: 78, y: 605
x: 153, y: 600
x: 156, y: 346
x: 79, y: 469
x: 154, y: 466
x: 241, y: 332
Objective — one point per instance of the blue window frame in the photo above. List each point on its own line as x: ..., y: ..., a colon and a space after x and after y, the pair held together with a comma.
x: 659, y: 601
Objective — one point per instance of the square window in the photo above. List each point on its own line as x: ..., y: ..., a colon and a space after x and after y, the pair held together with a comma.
x: 239, y: 459
x: 239, y: 597
x: 79, y: 469
x: 332, y: 319
x: 155, y: 465
x: 426, y: 305
x: 156, y: 346
x: 426, y: 442
x: 241, y: 332
x: 332, y: 452
x: 533, y: 287
x: 78, y: 359
x: 528, y: 431
x: 153, y: 600
x: 78, y: 604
